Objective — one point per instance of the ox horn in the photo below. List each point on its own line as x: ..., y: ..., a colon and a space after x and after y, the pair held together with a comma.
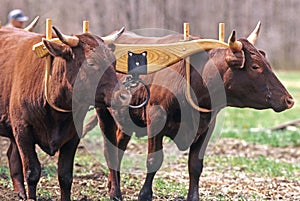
x: 112, y: 37
x: 253, y: 36
x: 72, y: 41
x: 233, y: 43
x: 31, y: 26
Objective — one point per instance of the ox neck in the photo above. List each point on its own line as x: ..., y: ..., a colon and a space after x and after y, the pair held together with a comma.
x: 208, y: 87
x: 57, y: 90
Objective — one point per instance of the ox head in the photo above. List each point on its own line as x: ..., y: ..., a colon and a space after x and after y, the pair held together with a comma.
x: 85, y: 66
x: 248, y: 77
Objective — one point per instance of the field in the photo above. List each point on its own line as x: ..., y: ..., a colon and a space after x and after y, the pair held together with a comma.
x: 244, y: 161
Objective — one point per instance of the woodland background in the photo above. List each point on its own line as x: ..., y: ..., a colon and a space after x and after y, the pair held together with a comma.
x: 278, y: 37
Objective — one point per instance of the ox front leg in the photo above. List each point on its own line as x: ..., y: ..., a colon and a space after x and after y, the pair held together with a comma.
x: 154, y: 162
x: 122, y: 141
x: 195, y: 165
x: 30, y: 162
x: 65, y: 167
x: 156, y: 120
x: 16, y: 171
x: 109, y: 129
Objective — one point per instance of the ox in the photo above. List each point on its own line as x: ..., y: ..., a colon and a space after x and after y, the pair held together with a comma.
x: 247, y: 81
x: 28, y: 119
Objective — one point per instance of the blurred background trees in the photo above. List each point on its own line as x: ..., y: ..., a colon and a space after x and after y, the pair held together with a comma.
x: 278, y: 37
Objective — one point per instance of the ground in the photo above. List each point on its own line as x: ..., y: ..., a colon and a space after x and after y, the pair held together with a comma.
x: 221, y: 178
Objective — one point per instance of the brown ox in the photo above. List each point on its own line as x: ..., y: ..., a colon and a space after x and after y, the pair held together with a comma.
x: 27, y: 118
x: 247, y: 80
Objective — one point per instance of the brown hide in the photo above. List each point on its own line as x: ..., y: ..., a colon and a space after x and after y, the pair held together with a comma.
x: 243, y: 78
x: 26, y: 117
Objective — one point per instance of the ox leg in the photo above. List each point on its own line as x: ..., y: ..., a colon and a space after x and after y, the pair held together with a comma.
x: 195, y: 166
x: 16, y: 171
x: 195, y: 163
x: 122, y: 141
x: 109, y: 128
x: 154, y: 162
x: 65, y: 167
x: 30, y: 162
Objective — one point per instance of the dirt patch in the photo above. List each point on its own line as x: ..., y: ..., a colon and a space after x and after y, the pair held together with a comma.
x: 241, y: 148
x: 227, y: 183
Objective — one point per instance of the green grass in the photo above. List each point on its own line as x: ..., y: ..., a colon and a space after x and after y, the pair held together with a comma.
x: 275, y: 139
x: 44, y: 193
x: 5, y: 177
x: 176, y: 189
x: 4, y: 171
x: 49, y: 171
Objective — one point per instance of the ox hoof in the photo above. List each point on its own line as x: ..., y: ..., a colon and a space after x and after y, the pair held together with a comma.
x: 193, y: 199
x: 179, y: 199
x: 117, y: 199
x: 116, y: 196
x: 145, y: 196
x: 22, y: 196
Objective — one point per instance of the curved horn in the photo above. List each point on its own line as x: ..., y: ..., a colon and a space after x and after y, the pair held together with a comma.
x: 233, y: 43
x: 72, y: 41
x: 31, y: 26
x: 253, y: 36
x: 112, y: 37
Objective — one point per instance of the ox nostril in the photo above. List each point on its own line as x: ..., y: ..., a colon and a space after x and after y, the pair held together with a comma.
x: 289, y: 101
x: 124, y: 96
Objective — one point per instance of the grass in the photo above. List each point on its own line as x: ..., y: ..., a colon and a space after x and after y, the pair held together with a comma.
x: 164, y: 186
x: 49, y: 171
x: 5, y: 177
x: 275, y: 139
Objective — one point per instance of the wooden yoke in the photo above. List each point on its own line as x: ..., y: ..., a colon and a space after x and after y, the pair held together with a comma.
x: 221, y: 32
x: 85, y: 27
x: 161, y: 56
x: 188, y: 75
x: 48, y: 69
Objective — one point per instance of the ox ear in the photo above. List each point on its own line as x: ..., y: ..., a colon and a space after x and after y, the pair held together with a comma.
x: 112, y: 46
x: 262, y: 53
x: 58, y: 50
x: 235, y: 59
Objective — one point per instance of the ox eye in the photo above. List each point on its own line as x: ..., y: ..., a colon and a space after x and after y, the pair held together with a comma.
x: 255, y: 67
x: 90, y: 64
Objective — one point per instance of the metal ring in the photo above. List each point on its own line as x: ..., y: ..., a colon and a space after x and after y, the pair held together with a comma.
x: 147, y: 99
